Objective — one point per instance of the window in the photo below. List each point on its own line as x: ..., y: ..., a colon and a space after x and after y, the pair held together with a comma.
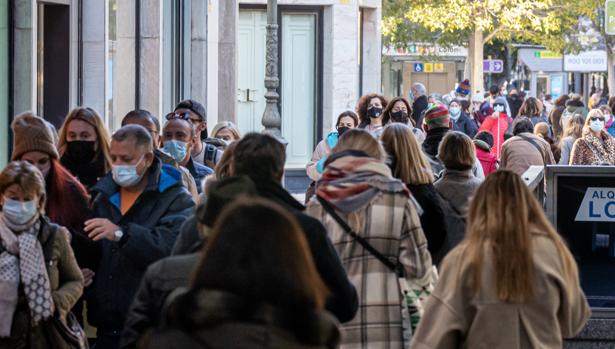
x: 176, y: 53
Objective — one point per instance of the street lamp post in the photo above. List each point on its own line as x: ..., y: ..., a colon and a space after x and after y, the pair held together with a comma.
x: 272, y: 121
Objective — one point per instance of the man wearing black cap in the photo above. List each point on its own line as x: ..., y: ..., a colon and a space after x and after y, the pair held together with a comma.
x: 202, y: 152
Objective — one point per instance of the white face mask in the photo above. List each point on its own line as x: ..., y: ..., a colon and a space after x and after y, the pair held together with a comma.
x: 597, y: 125
x: 126, y: 175
x: 19, y: 212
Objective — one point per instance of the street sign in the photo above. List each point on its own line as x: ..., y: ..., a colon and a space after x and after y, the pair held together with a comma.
x: 493, y: 66
x: 428, y: 67
x: 438, y: 67
x: 609, y: 17
x: 419, y: 68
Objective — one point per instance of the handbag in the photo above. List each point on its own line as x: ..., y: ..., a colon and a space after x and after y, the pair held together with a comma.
x: 62, y: 334
x: 414, y: 292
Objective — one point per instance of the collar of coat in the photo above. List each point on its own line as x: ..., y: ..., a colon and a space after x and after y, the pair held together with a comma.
x: 195, y: 310
x: 160, y: 178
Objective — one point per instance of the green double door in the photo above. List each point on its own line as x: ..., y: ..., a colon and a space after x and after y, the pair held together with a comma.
x: 297, y: 80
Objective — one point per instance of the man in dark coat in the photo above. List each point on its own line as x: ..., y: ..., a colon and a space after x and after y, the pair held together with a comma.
x: 514, y: 102
x: 138, y: 209
x: 419, y: 93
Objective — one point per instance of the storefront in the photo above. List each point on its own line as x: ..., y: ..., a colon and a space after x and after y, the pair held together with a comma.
x: 438, y: 68
x: 543, y: 70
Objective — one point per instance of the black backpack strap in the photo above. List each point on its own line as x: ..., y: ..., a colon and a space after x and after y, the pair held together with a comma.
x: 396, y: 268
x: 48, y: 245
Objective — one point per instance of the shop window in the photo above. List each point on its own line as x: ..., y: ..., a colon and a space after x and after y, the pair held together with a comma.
x: 176, y: 52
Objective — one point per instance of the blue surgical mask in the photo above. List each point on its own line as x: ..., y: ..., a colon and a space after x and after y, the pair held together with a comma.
x: 126, y: 175
x: 596, y: 125
x: 177, y: 149
x: 455, y: 112
x: 19, y: 212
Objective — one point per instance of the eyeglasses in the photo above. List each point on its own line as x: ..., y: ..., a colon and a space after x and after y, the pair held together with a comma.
x: 182, y: 116
x: 596, y: 118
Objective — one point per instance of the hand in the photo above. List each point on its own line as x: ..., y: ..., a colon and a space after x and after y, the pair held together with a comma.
x: 88, y: 277
x: 101, y: 228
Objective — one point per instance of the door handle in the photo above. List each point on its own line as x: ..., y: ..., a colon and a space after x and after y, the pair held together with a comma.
x: 248, y: 95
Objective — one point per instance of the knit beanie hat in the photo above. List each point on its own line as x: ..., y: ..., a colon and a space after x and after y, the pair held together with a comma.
x: 484, y: 140
x: 437, y: 116
x: 463, y: 89
x: 478, y: 97
x: 31, y: 133
x: 500, y: 104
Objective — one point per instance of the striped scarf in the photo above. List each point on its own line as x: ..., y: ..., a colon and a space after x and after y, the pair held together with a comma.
x: 351, y: 182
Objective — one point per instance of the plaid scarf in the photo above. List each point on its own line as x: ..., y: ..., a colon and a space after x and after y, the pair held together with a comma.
x: 351, y: 182
x: 22, y: 262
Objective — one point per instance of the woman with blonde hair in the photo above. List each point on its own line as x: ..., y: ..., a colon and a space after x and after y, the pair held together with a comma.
x: 596, y: 146
x: 572, y: 132
x: 409, y: 164
x: 357, y: 189
x: 226, y: 131
x: 512, y: 283
x: 83, y: 146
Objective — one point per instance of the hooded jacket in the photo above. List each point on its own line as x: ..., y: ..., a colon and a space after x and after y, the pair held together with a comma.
x: 150, y: 228
x: 497, y: 127
x: 572, y: 107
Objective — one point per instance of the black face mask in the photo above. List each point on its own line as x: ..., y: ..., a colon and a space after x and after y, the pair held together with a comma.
x: 400, y: 116
x: 80, y: 151
x: 341, y: 130
x: 374, y: 112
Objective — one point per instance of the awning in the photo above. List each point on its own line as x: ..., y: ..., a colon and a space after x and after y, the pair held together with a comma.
x: 540, y: 60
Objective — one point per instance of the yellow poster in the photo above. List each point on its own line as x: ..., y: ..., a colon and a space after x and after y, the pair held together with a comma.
x: 438, y: 67
x: 428, y: 67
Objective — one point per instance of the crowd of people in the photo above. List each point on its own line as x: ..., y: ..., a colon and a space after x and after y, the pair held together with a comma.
x: 165, y: 235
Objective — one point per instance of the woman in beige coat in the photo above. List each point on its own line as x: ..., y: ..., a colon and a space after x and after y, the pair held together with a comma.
x: 512, y: 283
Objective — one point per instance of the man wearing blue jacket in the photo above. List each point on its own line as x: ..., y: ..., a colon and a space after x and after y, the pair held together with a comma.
x: 138, y: 209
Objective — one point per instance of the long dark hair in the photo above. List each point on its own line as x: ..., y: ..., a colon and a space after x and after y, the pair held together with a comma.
x: 67, y: 198
x: 387, y: 111
x: 263, y: 257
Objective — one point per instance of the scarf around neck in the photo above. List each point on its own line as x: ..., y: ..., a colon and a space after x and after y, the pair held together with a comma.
x: 351, y: 182
x: 22, y: 262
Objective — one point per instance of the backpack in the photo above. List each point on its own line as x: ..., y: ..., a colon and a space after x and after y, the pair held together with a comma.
x: 455, y: 224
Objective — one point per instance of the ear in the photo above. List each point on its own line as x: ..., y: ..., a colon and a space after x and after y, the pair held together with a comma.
x: 149, y: 158
x: 41, y: 202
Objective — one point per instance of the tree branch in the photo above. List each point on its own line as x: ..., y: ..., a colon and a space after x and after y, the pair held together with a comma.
x: 493, y: 34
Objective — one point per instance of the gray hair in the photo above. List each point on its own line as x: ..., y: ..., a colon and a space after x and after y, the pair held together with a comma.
x: 420, y: 88
x: 137, y: 133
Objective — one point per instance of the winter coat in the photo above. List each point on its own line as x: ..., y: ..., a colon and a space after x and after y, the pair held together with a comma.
x: 589, y: 150
x: 554, y: 120
x: 418, y: 107
x: 430, y: 148
x: 390, y: 223
x: 150, y: 228
x: 198, y: 172
x: 343, y: 301
x: 572, y: 107
x: 323, y: 149
x: 432, y: 217
x: 212, y: 319
x: 487, y: 160
x: 160, y: 279
x: 458, y: 187
x: 465, y: 125
x: 65, y: 280
x: 514, y: 102
x: 456, y: 318
x: 518, y: 154
x: 483, y: 112
x: 566, y: 148
x: 497, y: 127
x: 187, y: 179
x: 538, y: 118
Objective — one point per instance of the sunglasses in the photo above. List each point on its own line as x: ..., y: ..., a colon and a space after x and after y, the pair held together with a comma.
x: 182, y: 116
x: 596, y: 118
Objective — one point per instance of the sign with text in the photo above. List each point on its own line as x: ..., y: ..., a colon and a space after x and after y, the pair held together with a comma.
x: 547, y: 55
x: 428, y: 67
x: 588, y: 61
x: 438, y: 67
x: 598, y: 205
x: 609, y: 17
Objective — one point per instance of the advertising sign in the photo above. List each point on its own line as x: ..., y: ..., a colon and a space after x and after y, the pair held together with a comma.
x: 588, y: 61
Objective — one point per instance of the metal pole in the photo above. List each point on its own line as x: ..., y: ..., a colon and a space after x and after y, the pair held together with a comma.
x: 272, y: 121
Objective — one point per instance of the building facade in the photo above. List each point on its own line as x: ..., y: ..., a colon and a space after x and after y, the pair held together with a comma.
x: 118, y: 55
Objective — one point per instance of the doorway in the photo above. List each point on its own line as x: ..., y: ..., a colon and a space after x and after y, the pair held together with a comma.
x: 53, y: 62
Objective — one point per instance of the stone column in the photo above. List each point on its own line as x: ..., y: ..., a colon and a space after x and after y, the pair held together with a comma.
x: 198, y: 51
x: 94, y: 50
x: 24, y: 50
x: 123, y: 52
x: 212, y: 61
x: 227, y: 59
x: 150, y: 81
x: 372, y: 51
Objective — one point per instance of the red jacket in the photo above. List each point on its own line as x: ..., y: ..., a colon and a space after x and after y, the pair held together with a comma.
x: 497, y: 127
x: 487, y: 160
